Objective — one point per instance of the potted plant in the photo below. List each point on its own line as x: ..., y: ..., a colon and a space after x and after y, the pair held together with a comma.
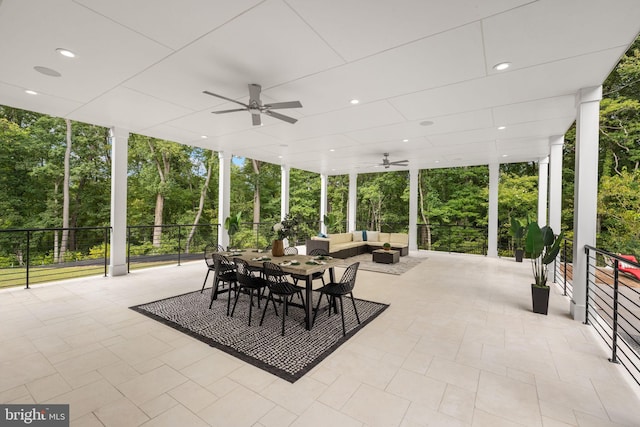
x: 232, y: 225
x: 543, y: 247
x: 285, y: 229
x: 386, y: 246
x: 517, y: 232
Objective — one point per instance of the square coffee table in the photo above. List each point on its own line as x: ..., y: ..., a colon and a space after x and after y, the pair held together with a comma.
x: 386, y: 257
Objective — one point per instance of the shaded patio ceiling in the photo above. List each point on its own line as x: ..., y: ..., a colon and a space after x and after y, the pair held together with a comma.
x: 142, y: 65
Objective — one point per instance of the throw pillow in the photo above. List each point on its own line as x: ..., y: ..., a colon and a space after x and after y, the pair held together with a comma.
x: 357, y: 236
x: 364, y: 235
x: 372, y: 236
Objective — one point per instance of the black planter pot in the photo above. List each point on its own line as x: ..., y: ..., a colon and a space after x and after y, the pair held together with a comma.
x: 540, y: 299
x: 519, y: 255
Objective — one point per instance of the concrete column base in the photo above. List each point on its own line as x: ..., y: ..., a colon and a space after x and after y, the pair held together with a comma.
x: 118, y: 270
x: 577, y: 311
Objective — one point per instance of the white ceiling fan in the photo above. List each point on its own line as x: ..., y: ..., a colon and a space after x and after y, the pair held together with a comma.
x: 387, y: 163
x: 255, y: 106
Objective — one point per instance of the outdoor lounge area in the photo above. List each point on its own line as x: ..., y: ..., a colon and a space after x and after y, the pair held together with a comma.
x: 451, y: 349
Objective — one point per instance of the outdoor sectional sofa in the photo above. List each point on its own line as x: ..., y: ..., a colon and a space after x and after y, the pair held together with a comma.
x: 345, y: 245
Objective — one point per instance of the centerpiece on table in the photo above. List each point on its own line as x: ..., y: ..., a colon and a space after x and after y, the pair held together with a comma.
x: 285, y: 229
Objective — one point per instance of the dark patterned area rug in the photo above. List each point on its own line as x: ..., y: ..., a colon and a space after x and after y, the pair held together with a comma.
x: 288, y: 357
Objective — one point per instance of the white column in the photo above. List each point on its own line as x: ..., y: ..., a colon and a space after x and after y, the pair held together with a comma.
x: 555, y: 182
x: 284, y: 190
x: 492, y: 229
x: 353, y: 200
x: 585, y: 192
x: 543, y: 189
x: 119, y: 139
x: 224, y: 195
x: 413, y: 209
x: 323, y: 201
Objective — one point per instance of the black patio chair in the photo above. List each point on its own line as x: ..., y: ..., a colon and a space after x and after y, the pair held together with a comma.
x: 291, y: 250
x: 279, y: 285
x: 337, y: 291
x: 225, y: 273
x: 247, y: 283
x: 209, y: 250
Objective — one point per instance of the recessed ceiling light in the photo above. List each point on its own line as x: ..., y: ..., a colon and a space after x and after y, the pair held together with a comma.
x: 405, y: 140
x: 279, y: 157
x: 505, y: 155
x: 332, y: 149
x: 502, y: 66
x: 502, y: 127
x: 426, y: 123
x: 204, y: 136
x: 47, y: 71
x: 354, y: 101
x: 437, y: 161
x: 65, y: 52
x: 30, y: 92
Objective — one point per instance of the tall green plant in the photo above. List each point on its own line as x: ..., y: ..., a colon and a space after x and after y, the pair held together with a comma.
x: 543, y: 247
x: 232, y: 225
x: 517, y: 232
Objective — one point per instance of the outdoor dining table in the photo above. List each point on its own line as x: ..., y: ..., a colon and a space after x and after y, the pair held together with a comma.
x: 308, y: 265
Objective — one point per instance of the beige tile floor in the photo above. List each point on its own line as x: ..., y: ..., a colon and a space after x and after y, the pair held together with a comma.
x: 458, y: 346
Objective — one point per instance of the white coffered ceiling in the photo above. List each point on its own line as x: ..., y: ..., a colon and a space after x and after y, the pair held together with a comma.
x: 142, y: 65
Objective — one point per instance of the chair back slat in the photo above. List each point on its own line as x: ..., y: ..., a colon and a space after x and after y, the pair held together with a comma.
x: 243, y: 271
x: 291, y: 250
x: 348, y: 280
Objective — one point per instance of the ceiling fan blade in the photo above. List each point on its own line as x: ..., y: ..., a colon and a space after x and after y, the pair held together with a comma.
x: 254, y: 93
x: 225, y: 98
x: 229, y: 111
x: 289, y: 104
x: 280, y: 116
x: 400, y: 162
x: 255, y: 118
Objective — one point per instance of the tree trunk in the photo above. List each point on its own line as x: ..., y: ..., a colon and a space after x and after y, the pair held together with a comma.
x: 164, y: 168
x: 203, y: 195
x: 425, y: 219
x: 65, y: 194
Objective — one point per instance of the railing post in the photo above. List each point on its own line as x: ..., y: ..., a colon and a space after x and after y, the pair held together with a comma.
x: 614, y: 343
x: 586, y: 305
x: 565, y: 267
x: 28, y: 256
x: 179, y: 235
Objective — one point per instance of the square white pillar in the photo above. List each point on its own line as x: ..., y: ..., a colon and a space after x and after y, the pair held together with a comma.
x: 585, y: 193
x: 556, y: 144
x: 543, y: 189
x: 224, y: 195
x: 119, y: 139
x: 353, y: 200
x: 413, y: 210
x: 284, y: 190
x: 323, y: 201
x: 492, y: 229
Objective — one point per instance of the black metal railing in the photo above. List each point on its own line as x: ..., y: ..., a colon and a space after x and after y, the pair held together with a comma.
x: 29, y: 256
x: 563, y: 268
x: 149, y: 245
x: 613, y: 307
